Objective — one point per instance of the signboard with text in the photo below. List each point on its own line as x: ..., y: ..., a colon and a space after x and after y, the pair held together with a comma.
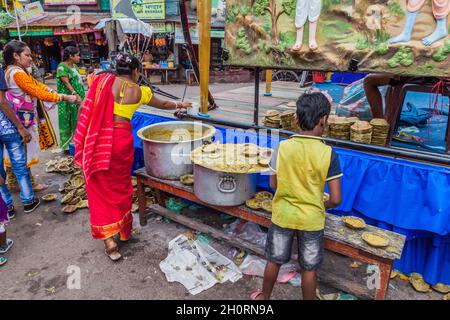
x: 144, y: 9
x: 69, y: 2
x: 31, y: 12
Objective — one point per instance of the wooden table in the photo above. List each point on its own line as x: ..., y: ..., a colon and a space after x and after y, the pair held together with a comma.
x: 162, y: 70
x: 338, y: 238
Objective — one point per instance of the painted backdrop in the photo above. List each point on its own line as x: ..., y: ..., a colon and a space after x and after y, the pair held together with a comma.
x: 407, y: 37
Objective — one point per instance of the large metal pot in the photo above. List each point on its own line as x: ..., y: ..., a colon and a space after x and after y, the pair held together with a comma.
x: 221, y: 188
x: 171, y: 159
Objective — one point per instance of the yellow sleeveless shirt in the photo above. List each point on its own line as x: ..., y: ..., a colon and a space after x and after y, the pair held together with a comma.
x: 128, y: 110
x: 302, y: 166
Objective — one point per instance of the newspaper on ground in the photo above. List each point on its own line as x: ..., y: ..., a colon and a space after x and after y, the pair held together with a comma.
x: 197, y: 265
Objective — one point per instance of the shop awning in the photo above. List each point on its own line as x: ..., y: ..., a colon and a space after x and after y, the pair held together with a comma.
x: 63, y: 20
x: 128, y: 25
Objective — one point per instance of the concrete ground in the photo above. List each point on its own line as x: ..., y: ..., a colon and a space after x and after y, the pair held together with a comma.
x: 48, y: 243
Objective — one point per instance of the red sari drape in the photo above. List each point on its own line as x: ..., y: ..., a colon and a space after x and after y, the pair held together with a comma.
x: 104, y: 150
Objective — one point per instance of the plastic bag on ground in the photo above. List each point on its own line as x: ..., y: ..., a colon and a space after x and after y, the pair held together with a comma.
x: 248, y: 231
x: 254, y: 266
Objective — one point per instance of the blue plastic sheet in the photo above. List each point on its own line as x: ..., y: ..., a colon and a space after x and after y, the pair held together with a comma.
x: 403, y: 196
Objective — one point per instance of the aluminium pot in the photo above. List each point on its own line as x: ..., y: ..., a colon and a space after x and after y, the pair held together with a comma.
x: 222, y: 188
x: 169, y: 160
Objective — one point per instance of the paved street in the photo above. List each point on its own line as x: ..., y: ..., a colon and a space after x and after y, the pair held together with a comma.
x: 48, y: 242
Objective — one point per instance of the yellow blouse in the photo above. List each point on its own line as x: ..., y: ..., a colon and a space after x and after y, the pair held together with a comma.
x: 128, y: 110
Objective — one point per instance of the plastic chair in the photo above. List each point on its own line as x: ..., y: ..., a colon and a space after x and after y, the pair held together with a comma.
x: 190, y: 76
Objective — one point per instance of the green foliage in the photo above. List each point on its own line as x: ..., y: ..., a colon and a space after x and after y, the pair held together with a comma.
x: 264, y: 46
x: 404, y: 56
x: 288, y: 37
x: 326, y: 4
x: 260, y: 6
x: 440, y: 55
x: 289, y: 7
x: 362, y: 42
x: 396, y: 9
x: 232, y: 14
x: 5, y: 19
x: 245, y: 11
x: 267, y: 25
x: 447, y: 46
x: 382, y: 48
x: 242, y: 41
x: 382, y: 36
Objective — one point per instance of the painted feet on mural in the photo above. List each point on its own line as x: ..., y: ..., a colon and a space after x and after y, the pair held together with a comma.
x: 438, y: 34
x: 297, y: 47
x: 403, y: 37
x: 313, y: 46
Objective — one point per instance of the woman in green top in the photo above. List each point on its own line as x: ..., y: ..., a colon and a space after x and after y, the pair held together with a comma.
x: 68, y: 81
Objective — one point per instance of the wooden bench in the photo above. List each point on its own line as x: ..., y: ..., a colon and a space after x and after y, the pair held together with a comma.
x: 338, y: 238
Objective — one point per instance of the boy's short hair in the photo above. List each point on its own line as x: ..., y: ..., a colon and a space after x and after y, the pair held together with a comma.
x: 311, y: 107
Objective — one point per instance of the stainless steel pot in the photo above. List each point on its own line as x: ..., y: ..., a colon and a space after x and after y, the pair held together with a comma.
x: 171, y: 159
x: 221, y: 188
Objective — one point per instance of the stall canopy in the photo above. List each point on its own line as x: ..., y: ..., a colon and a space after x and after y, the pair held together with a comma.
x: 63, y: 23
x: 127, y: 25
x: 117, y: 30
x: 63, y: 20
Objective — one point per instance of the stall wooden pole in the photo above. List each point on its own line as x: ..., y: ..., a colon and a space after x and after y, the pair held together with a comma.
x: 204, y: 14
x: 268, y: 92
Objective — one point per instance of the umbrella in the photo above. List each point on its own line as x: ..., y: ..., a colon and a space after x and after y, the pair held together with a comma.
x: 131, y: 26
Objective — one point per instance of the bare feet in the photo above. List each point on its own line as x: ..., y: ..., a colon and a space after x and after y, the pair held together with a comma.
x: 313, y: 45
x: 257, y: 295
x: 297, y: 47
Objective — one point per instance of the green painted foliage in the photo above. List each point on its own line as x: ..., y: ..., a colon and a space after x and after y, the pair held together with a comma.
x: 242, y: 41
x: 259, y: 7
x: 382, y: 48
x: 440, y: 55
x: 289, y: 7
x: 232, y: 14
x: 362, y: 43
x: 245, y: 11
x: 404, y: 56
x: 396, y: 9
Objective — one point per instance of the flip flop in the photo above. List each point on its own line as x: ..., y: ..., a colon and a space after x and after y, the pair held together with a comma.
x: 113, y: 253
x: 255, y: 294
x: 7, y: 246
x: 3, y: 260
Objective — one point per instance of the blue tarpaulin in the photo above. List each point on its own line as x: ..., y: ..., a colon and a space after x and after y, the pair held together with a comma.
x: 403, y: 196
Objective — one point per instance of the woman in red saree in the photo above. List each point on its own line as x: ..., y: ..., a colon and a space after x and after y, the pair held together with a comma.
x: 104, y: 148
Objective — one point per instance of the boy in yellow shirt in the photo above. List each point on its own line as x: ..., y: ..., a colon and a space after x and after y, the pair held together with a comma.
x: 303, y: 164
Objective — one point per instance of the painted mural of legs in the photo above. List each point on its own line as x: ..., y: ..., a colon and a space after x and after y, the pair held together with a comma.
x: 299, y: 41
x: 312, y: 36
x: 406, y: 34
x: 439, y: 33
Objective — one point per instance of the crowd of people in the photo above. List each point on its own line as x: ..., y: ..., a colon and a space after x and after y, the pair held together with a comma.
x: 110, y: 104
x: 101, y: 132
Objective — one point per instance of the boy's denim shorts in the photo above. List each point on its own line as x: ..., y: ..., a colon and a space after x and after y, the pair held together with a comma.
x: 310, y: 247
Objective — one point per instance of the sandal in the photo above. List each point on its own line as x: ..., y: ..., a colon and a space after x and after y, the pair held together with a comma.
x: 3, y: 260
x: 7, y: 246
x: 113, y: 253
x: 255, y: 294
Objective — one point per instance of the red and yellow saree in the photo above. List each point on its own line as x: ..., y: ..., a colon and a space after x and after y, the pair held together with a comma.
x: 104, y: 150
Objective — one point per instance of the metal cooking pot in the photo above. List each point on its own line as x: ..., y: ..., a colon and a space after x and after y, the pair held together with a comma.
x: 221, y: 188
x: 170, y: 160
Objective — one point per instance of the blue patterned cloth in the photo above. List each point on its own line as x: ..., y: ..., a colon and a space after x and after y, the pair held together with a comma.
x: 6, y: 126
